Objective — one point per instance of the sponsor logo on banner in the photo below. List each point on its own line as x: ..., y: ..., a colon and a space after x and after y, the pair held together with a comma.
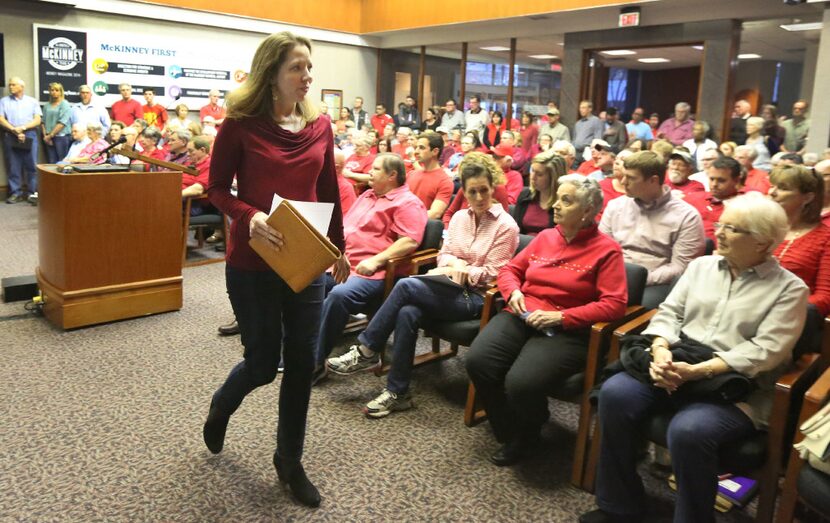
x: 62, y: 58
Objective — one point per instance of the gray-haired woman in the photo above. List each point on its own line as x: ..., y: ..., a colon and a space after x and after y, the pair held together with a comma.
x: 566, y: 279
x: 739, y: 312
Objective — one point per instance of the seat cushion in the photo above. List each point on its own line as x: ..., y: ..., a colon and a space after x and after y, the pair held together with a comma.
x: 206, y: 219
x: 741, y: 456
x: 461, y: 332
x: 814, y: 488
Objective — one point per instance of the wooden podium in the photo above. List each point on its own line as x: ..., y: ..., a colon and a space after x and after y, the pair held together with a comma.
x: 109, y: 245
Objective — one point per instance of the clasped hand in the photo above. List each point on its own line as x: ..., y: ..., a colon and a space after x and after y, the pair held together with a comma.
x: 668, y: 374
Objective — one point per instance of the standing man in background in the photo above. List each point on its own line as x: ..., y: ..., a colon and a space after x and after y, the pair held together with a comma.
x: 85, y: 112
x: 20, y: 116
x: 126, y: 109
x: 359, y: 116
x: 213, y: 109
x: 587, y: 128
x: 154, y: 114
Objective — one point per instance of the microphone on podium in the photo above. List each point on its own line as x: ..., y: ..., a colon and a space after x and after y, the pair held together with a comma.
x: 102, y: 152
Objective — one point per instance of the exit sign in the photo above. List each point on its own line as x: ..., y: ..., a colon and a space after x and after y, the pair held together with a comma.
x: 629, y: 19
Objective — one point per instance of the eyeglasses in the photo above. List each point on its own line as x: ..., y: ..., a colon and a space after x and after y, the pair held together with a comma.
x: 730, y: 228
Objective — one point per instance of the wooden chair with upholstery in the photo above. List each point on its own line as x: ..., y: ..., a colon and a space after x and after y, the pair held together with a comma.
x: 213, y: 220
x: 761, y: 456
x: 577, y: 388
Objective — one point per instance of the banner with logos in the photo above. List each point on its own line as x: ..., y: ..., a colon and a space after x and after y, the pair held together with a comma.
x: 178, y: 70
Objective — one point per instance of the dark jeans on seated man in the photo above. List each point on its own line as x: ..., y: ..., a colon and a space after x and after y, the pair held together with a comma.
x: 355, y: 295
x: 695, y: 433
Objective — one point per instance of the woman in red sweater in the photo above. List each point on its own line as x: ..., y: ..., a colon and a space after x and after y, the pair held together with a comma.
x: 273, y: 142
x: 805, y: 250
x: 568, y: 278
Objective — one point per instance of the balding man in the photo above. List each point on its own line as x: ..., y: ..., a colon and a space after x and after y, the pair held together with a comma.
x: 678, y: 129
x: 127, y: 109
x: 737, y: 126
x: 87, y: 112
x: 213, y: 109
x: 20, y: 116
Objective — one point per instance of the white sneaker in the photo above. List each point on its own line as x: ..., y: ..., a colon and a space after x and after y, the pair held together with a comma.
x: 387, y: 403
x: 352, y: 361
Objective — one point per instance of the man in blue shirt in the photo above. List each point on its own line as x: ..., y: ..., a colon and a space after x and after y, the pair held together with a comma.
x: 637, y: 128
x: 20, y: 116
x: 587, y: 128
x: 85, y: 112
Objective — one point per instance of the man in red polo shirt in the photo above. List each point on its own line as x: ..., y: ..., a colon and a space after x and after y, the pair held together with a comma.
x: 127, y: 109
x: 724, y: 180
x: 431, y: 184
x: 385, y: 222
x: 198, y: 151
x: 213, y: 109
x: 154, y: 114
x: 380, y: 119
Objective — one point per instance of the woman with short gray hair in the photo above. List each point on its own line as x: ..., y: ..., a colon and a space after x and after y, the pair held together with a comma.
x: 568, y: 278
x: 97, y: 143
x: 733, y: 316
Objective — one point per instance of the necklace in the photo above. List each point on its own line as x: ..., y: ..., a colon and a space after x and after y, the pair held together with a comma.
x: 795, y: 235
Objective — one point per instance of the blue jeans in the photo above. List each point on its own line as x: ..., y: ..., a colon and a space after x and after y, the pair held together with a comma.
x: 57, y: 151
x: 355, y: 295
x: 273, y: 318
x: 695, y: 433
x: 21, y: 163
x: 411, y: 301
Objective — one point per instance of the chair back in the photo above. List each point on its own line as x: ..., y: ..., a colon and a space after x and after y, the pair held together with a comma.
x: 433, y: 232
x: 524, y: 241
x: 635, y: 276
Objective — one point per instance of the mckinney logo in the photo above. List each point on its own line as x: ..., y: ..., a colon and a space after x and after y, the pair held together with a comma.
x: 61, y: 53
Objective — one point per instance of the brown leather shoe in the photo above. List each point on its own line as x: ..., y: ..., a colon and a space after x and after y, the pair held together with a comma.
x: 231, y: 329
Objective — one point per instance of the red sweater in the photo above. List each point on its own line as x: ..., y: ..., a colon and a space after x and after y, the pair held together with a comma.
x: 267, y: 159
x: 583, y: 279
x: 808, y: 257
x: 688, y: 188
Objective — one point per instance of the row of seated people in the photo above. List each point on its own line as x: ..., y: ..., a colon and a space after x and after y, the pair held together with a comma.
x: 568, y: 278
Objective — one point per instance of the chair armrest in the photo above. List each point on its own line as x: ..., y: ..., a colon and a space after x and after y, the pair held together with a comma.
x: 394, y: 264
x: 819, y: 392
x: 634, y: 326
x: 599, y: 341
x: 490, y: 305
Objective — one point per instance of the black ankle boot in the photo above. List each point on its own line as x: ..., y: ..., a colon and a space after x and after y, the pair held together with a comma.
x: 297, y: 482
x: 214, y: 429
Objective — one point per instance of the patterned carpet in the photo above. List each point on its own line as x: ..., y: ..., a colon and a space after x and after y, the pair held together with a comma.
x: 104, y: 424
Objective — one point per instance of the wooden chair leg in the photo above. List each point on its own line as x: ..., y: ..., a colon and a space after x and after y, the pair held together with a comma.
x: 472, y: 416
x: 583, y: 439
x: 436, y: 344
x: 589, y: 473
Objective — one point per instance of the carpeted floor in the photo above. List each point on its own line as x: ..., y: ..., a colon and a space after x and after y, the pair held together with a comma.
x: 104, y: 424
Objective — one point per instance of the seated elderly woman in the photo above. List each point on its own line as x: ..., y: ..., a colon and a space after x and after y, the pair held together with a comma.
x: 805, y: 250
x: 96, y: 144
x: 736, y: 312
x: 480, y: 241
x: 566, y: 279
x: 534, y: 206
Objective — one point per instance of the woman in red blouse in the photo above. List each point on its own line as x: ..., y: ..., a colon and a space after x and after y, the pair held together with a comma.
x: 274, y: 143
x: 479, y: 242
x: 534, y: 207
x: 529, y: 132
x: 805, y: 250
x: 568, y: 278
x: 612, y: 186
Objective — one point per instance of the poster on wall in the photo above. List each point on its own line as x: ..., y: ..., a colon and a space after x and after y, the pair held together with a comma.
x: 179, y: 70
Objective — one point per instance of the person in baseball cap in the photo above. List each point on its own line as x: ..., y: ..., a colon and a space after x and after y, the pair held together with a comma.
x: 681, y: 166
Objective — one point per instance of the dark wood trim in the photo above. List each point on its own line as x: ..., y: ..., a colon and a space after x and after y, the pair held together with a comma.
x: 377, y: 77
x: 508, y: 113
x: 421, y: 68
x: 462, y: 93
x: 730, y: 83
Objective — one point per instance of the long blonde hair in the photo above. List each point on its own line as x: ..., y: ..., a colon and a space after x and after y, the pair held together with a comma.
x: 486, y: 161
x: 556, y: 167
x: 254, y: 97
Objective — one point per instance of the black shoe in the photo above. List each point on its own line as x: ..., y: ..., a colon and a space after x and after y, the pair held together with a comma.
x: 320, y: 373
x: 231, y: 329
x: 297, y: 483
x: 600, y: 516
x: 14, y: 198
x: 509, y: 454
x: 214, y: 430
x: 219, y: 248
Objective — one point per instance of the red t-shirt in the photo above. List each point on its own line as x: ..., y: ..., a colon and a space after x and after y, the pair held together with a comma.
x: 347, y: 194
x: 202, y: 178
x: 515, y: 184
x: 757, y: 180
x: 608, y: 192
x: 535, y: 219
x: 690, y: 187
x: 359, y: 164
x: 587, y: 167
x: 710, y: 210
x: 430, y: 186
x: 267, y: 159
x: 155, y: 115
x: 380, y: 122
x: 808, y: 257
x: 127, y: 112
x: 218, y: 112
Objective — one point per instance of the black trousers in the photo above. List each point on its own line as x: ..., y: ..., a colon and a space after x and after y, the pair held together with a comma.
x: 272, y: 318
x: 514, y: 367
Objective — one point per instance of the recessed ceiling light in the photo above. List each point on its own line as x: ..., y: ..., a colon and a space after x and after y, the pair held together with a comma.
x: 653, y: 60
x: 618, y: 52
x: 748, y: 56
x: 495, y: 48
x: 698, y: 47
x: 542, y: 56
x: 802, y: 27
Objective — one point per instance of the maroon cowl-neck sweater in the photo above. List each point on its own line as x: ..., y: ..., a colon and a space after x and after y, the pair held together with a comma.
x: 267, y: 159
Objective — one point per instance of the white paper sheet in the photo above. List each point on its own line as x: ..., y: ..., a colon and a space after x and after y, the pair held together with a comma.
x: 318, y: 214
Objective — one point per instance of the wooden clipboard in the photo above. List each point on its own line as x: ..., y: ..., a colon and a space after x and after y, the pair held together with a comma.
x: 305, y: 253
